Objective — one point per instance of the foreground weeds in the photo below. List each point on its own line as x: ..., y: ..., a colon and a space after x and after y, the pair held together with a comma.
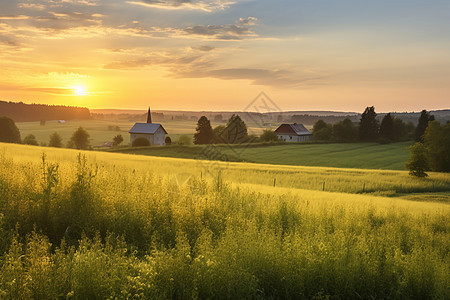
x: 85, y: 230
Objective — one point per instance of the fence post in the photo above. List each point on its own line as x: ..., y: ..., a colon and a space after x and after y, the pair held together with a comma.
x: 364, y: 187
x: 323, y: 187
x: 274, y: 182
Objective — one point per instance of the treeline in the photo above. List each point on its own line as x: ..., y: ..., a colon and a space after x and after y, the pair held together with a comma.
x: 21, y: 112
x: 369, y: 128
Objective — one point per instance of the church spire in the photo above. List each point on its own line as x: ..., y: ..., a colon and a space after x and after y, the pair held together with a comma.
x: 149, y: 116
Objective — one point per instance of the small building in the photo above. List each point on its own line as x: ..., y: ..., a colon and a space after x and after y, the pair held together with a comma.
x: 293, y: 133
x: 153, y: 132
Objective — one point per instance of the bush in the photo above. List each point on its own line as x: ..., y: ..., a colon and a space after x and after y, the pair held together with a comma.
x: 268, y: 136
x: 30, y: 140
x: 168, y: 140
x: 118, y: 139
x: 140, y: 142
x: 184, y: 140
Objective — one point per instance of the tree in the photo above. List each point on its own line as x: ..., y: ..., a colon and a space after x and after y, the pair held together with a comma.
x: 236, y: 130
x: 400, y: 129
x: 387, y: 132
x: 422, y: 125
x: 140, y: 142
x: 219, y: 134
x: 30, y: 140
x: 269, y: 136
x: 417, y: 163
x: 218, y: 118
x: 437, y: 143
x: 345, y: 131
x: 118, y: 139
x: 322, y: 131
x: 280, y: 119
x: 80, y: 139
x: 168, y: 140
x: 9, y: 133
x: 204, y: 134
x: 184, y: 140
x: 368, y: 125
x: 55, y: 140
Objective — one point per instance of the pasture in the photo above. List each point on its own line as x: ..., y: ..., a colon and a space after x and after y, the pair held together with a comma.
x: 100, y: 132
x: 106, y: 225
x: 338, y: 155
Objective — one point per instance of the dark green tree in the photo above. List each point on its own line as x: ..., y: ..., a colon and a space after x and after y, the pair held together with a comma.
x: 345, y: 131
x: 422, y: 125
x: 368, y: 126
x: 55, y: 140
x: 236, y: 130
x: 322, y: 131
x: 80, y: 139
x: 400, y: 129
x: 219, y: 135
x: 268, y: 136
x: 418, y: 162
x: 437, y: 142
x: 387, y: 132
x: 9, y: 133
x: 168, y: 140
x: 118, y: 139
x: 30, y: 140
x: 204, y: 134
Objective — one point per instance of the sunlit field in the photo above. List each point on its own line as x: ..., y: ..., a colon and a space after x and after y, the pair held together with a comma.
x: 100, y: 132
x: 88, y: 225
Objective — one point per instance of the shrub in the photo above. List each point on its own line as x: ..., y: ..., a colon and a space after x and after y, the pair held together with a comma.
x: 140, y: 142
x: 184, y: 140
x: 168, y: 140
x: 30, y: 140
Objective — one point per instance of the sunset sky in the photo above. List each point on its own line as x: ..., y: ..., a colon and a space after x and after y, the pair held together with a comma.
x: 220, y: 54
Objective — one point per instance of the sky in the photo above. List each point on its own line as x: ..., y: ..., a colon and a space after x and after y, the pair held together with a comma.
x: 340, y: 55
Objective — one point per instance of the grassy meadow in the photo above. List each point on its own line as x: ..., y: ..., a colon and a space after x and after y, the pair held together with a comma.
x: 338, y: 155
x: 96, y: 225
x: 100, y: 133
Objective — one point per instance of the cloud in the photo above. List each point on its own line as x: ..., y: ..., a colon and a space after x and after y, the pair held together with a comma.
x: 265, y: 77
x: 237, y: 31
x: 204, y: 5
x: 203, y: 48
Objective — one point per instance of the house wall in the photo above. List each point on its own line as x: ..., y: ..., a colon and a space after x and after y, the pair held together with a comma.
x: 294, y: 138
x: 160, y: 137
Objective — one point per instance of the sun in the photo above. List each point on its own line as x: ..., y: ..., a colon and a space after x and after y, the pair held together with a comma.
x: 80, y: 91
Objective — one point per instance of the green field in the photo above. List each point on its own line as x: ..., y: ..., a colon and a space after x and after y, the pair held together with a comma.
x: 99, y: 132
x: 97, y: 225
x: 355, y: 155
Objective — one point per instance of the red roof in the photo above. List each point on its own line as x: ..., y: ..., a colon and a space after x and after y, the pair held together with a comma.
x: 292, y: 129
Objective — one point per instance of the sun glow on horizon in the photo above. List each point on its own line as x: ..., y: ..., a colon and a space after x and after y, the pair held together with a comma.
x: 80, y: 91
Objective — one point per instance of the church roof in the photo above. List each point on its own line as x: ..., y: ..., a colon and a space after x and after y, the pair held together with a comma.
x: 148, y: 128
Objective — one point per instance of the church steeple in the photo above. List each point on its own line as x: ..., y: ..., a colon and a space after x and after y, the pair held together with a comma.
x: 149, y: 116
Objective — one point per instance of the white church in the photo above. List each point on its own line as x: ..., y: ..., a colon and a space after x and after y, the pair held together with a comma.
x: 153, y: 132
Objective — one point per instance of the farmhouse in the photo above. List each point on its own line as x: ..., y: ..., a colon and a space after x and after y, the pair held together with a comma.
x: 153, y: 132
x: 293, y: 133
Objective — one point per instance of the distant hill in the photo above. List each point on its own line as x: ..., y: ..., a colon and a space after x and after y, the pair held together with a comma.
x: 21, y: 112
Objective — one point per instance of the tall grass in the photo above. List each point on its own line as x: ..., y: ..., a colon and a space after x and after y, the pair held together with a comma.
x: 91, y: 227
